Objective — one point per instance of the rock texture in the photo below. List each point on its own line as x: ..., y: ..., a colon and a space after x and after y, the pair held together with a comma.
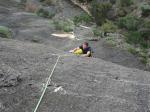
x: 78, y: 84
x: 87, y: 84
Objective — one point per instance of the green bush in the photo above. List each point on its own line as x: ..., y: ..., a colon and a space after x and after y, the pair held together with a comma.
x: 5, y: 32
x: 124, y: 3
x: 144, y: 60
x: 145, y: 9
x: 121, y: 12
x: 44, y: 13
x: 82, y: 18
x: 145, y: 32
x: 48, y: 2
x: 132, y: 24
x: 145, y: 29
x: 100, y: 11
x: 135, y: 37
x: 64, y: 25
x: 83, y: 1
x: 97, y: 31
x: 113, y: 1
x: 147, y: 24
x: 108, y: 27
x: 129, y: 22
x: 132, y: 50
x: 144, y: 57
x: 142, y: 53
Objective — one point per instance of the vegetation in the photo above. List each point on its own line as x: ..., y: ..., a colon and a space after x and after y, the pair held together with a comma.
x: 144, y: 58
x: 145, y: 30
x: 44, y: 13
x: 132, y: 50
x: 129, y: 22
x: 64, y: 25
x: 83, y: 1
x: 142, y: 53
x: 146, y: 24
x: 109, y: 27
x: 111, y: 41
x: 5, y: 32
x: 99, y: 11
x: 82, y: 18
x: 124, y: 3
x: 48, y: 2
x: 132, y: 24
x: 97, y: 32
x: 145, y: 9
x: 121, y: 12
x: 136, y: 38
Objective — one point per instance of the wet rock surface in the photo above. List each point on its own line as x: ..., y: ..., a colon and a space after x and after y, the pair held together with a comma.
x: 78, y: 84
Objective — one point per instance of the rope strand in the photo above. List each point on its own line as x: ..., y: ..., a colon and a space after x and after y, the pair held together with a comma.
x: 48, y: 81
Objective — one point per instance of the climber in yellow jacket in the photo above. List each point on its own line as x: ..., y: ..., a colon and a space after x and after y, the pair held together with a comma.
x: 83, y: 50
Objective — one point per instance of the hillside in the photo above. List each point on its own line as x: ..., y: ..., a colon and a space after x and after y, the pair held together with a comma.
x: 31, y: 31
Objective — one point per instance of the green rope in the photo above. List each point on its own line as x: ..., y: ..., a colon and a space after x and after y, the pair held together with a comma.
x: 48, y: 81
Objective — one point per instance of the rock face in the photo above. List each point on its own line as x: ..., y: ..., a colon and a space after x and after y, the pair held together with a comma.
x: 78, y: 84
x: 90, y: 85
x: 8, y: 77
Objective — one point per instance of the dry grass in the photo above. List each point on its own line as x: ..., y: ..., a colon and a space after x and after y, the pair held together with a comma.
x: 31, y: 7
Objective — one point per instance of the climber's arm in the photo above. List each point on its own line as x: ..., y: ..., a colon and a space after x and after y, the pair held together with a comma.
x: 87, y: 54
x: 74, y: 49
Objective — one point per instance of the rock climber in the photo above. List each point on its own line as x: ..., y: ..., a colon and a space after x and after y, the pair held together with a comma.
x: 83, y: 50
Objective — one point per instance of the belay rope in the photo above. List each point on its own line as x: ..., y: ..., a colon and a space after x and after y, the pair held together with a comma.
x: 48, y: 81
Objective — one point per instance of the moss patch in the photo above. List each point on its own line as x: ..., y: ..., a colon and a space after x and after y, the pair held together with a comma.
x: 44, y: 13
x: 5, y: 32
